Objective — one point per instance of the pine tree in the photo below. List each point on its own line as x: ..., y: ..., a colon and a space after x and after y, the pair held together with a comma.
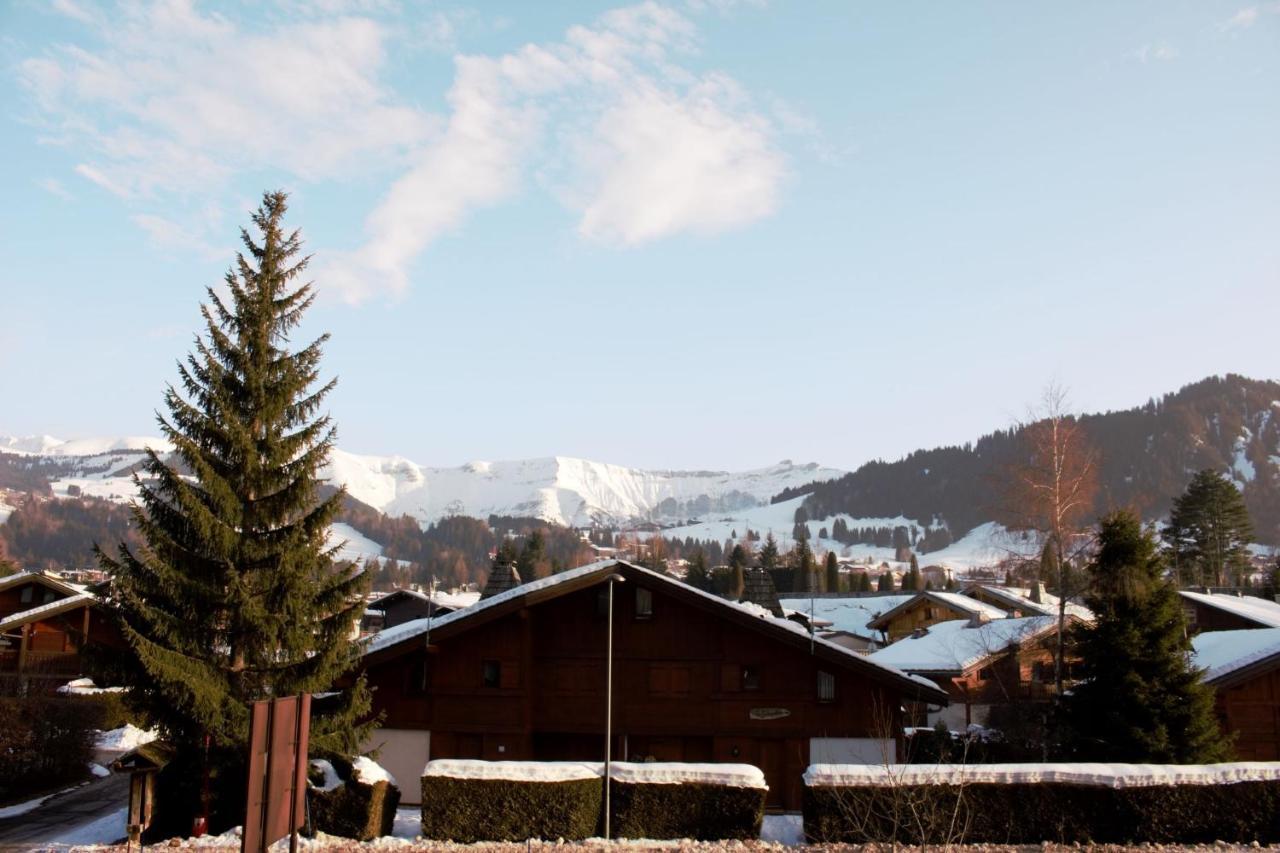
x: 1209, y: 532
x: 913, y: 582
x: 769, y: 553
x: 863, y: 583
x: 738, y: 566
x: 804, y: 566
x: 696, y: 574
x: 833, y: 572
x: 885, y: 583
x: 235, y: 595
x: 1140, y: 699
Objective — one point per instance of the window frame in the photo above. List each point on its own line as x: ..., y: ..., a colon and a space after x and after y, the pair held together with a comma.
x: 644, y: 595
x: 826, y: 680
x: 487, y: 666
x: 750, y: 678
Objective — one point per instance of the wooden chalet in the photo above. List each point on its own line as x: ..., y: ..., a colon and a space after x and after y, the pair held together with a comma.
x: 521, y: 675
x: 43, y: 622
x: 930, y: 608
x: 405, y: 605
x: 979, y: 663
x: 1243, y: 668
x: 1217, y: 611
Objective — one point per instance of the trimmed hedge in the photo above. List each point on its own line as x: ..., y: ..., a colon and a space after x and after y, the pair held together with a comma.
x: 470, y: 810
x: 688, y: 810
x: 45, y: 742
x: 1034, y: 812
x: 354, y: 809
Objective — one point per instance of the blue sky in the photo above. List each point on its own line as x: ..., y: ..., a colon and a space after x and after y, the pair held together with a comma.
x: 679, y: 234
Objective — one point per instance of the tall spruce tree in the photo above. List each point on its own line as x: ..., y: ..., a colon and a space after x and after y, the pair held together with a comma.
x: 832, y: 567
x: 1209, y: 532
x: 769, y: 553
x: 1140, y: 699
x: 234, y: 595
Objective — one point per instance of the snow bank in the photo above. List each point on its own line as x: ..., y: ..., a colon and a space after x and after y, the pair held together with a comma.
x: 674, y: 773
x: 369, y: 772
x: 98, y: 770
x: 86, y: 687
x: 514, y: 771
x: 1101, y: 775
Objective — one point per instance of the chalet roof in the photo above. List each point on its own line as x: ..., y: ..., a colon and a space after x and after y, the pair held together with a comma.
x: 502, y: 577
x: 1020, y: 599
x: 1229, y: 657
x: 850, y: 615
x: 64, y: 587
x: 44, y: 611
x: 759, y: 589
x: 1264, y: 612
x: 970, y: 607
x: 958, y: 646
x: 450, y: 600
x: 750, y: 615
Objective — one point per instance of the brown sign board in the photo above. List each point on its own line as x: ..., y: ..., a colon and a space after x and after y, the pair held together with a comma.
x: 278, y: 734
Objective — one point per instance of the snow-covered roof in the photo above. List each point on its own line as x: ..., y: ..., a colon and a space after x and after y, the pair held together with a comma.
x: 65, y: 587
x: 849, y: 614
x: 1101, y: 775
x: 451, y: 600
x: 1221, y: 653
x: 418, y: 627
x: 1261, y: 610
x: 958, y: 645
x: 44, y: 611
x: 959, y: 603
x: 1020, y: 598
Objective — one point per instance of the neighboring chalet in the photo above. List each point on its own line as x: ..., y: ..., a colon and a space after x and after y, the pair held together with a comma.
x: 931, y: 608
x: 43, y: 622
x: 1243, y: 667
x: 844, y: 620
x: 1024, y: 601
x: 1216, y: 611
x: 979, y: 663
x: 405, y: 605
x: 521, y: 675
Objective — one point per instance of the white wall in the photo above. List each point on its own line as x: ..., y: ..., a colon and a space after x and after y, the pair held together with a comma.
x: 851, y: 750
x: 404, y: 752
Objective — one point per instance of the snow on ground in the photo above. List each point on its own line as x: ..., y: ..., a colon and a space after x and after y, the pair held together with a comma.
x: 86, y: 687
x: 356, y: 546
x: 785, y: 829
x: 408, y: 823
x: 112, y: 744
x: 98, y: 770
x: 107, y: 829
x: 28, y: 806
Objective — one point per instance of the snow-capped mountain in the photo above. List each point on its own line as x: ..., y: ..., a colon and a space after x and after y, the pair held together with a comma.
x: 560, y: 489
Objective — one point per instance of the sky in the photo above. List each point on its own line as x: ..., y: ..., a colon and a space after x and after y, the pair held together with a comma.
x: 695, y: 234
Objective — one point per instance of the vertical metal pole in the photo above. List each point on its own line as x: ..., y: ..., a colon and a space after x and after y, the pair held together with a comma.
x: 608, y: 710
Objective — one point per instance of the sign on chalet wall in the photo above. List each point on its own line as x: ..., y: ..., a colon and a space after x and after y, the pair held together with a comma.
x: 768, y: 713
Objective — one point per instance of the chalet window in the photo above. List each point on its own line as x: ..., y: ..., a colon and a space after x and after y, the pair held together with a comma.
x: 418, y: 676
x: 644, y: 603
x: 491, y: 673
x: 1189, y: 612
x: 984, y: 674
x: 28, y: 592
x: 928, y: 613
x: 826, y: 687
x: 751, y: 677
x: 49, y: 595
x: 602, y: 601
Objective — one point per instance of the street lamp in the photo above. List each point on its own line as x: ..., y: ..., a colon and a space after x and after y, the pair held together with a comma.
x: 613, y: 579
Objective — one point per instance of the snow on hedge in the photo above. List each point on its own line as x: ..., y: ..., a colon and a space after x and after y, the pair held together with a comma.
x: 675, y: 773
x: 369, y: 772
x: 637, y: 773
x: 1103, y: 775
x: 330, y: 780
x: 514, y: 771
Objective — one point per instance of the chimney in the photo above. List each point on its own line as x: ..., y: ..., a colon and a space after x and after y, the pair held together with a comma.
x: 759, y: 589
x: 978, y: 619
x: 1037, y: 592
x: 502, y: 577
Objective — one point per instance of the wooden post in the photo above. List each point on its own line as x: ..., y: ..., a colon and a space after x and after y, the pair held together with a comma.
x: 22, y: 648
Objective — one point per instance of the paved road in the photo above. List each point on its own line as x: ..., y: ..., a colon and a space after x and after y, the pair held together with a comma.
x: 66, y: 811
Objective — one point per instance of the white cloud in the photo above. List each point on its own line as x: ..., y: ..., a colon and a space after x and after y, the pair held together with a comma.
x: 170, y: 236
x: 649, y: 148
x: 173, y: 103
x: 54, y: 187
x: 1159, y: 52
x: 1241, y: 20
x: 178, y: 101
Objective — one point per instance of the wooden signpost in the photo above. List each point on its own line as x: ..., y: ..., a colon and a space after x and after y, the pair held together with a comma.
x: 276, y: 807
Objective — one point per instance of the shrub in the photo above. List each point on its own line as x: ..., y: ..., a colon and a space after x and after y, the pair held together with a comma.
x: 703, y: 811
x: 1034, y: 812
x: 470, y: 810
x: 44, y: 742
x: 354, y: 809
x: 106, y: 711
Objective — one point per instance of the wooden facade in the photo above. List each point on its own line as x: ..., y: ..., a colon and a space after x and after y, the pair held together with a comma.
x: 1218, y: 612
x: 1247, y: 702
x: 43, y: 625
x: 929, y: 608
x: 694, y: 679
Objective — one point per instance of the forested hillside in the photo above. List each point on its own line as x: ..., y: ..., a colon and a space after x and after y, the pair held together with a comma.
x: 1148, y: 455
